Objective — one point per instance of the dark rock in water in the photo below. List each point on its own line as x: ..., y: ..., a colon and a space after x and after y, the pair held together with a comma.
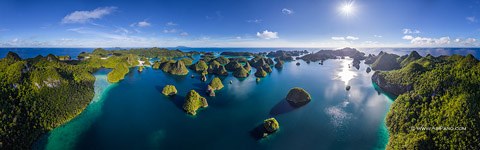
x: 368, y: 70
x: 298, y: 96
x: 308, y: 61
x: 298, y: 63
x: 192, y: 76
x: 204, y: 78
x: 270, y: 125
x: 356, y: 63
x: 348, y: 88
x: 231, y: 82
x: 279, y: 64
x: 321, y: 62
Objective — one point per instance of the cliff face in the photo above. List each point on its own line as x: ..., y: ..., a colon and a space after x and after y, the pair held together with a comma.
x: 393, y: 88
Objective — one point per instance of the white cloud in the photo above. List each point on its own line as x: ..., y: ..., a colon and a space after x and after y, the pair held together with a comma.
x: 466, y: 42
x: 425, y: 41
x: 377, y: 36
x: 338, y: 38
x: 184, y: 34
x: 410, y: 31
x: 255, y: 21
x: 170, y: 24
x: 470, y: 40
x: 141, y: 24
x: 170, y: 31
x: 341, y: 38
x: 267, y: 35
x: 87, y: 16
x: 407, y: 37
x: 287, y: 11
x: 351, y: 38
x: 471, y: 19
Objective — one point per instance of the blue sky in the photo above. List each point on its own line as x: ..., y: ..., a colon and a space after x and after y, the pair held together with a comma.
x: 240, y: 23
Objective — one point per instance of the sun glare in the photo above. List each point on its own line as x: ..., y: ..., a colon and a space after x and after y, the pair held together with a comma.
x: 347, y: 8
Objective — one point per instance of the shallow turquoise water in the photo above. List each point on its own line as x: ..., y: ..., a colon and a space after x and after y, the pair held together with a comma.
x: 133, y: 114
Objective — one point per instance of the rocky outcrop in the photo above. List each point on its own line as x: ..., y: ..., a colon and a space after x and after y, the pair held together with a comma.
x: 241, y: 73
x: 260, y: 73
x: 279, y: 64
x: 270, y: 126
x: 396, y: 89
x: 193, y: 101
x: 385, y: 62
x: 233, y: 65
x: 298, y: 96
x: 169, y: 90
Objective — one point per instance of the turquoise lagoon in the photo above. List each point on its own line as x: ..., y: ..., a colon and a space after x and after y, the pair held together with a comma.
x: 133, y: 114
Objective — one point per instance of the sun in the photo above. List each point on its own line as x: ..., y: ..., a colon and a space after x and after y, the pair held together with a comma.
x: 347, y: 8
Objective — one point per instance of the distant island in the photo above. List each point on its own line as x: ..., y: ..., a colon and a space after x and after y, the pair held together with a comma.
x: 41, y: 93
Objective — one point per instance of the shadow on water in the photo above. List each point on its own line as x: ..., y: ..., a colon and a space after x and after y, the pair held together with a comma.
x: 257, y: 132
x: 380, y: 91
x: 282, y: 107
x: 178, y: 100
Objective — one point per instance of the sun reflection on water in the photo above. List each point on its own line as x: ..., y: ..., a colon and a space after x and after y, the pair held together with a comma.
x: 346, y: 73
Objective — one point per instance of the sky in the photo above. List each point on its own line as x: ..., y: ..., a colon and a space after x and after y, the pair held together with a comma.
x: 240, y: 23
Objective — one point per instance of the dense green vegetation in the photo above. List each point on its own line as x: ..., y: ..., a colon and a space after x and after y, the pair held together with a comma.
x: 200, y: 66
x: 260, y: 73
x: 298, y: 96
x: 216, y: 84
x: 271, y: 125
x: 38, y: 95
x: 118, y: 73
x: 169, y: 90
x: 438, y: 92
x: 241, y: 73
x: 193, y: 101
x: 41, y: 93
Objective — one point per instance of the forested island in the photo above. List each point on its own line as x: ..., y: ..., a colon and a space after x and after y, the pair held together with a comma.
x: 41, y: 93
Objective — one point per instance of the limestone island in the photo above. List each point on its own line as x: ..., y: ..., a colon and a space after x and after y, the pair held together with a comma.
x: 298, y: 97
x: 270, y: 126
x: 169, y: 90
x: 193, y: 101
x: 215, y: 84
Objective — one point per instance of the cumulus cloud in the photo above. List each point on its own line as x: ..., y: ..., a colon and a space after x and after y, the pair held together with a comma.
x: 87, y: 16
x: 287, y: 11
x: 170, y: 31
x: 407, y: 37
x: 471, y: 19
x: 410, y: 31
x: 184, y: 34
x: 338, y: 38
x: 351, y: 38
x: 141, y: 24
x: 426, y: 41
x: 377, y: 36
x: 267, y: 35
x: 170, y: 24
x: 341, y: 38
x: 466, y: 42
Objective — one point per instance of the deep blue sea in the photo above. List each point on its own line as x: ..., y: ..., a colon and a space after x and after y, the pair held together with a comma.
x: 133, y: 114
